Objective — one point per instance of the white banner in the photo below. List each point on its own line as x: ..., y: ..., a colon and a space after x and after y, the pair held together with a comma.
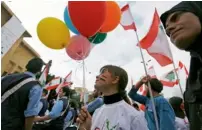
x: 10, y: 33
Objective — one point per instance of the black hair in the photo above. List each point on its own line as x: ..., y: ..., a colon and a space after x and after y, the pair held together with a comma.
x: 45, y: 91
x: 67, y: 91
x: 135, y: 105
x: 123, y: 79
x: 52, y: 95
x: 176, y: 102
x: 156, y: 85
x: 35, y: 65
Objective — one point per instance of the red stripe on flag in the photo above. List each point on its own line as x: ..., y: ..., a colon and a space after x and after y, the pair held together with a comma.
x: 161, y: 59
x: 180, y: 64
x: 52, y: 87
x: 141, y: 88
x: 125, y: 8
x: 144, y: 93
x: 150, y: 37
x: 169, y: 83
x: 186, y: 71
x: 129, y: 27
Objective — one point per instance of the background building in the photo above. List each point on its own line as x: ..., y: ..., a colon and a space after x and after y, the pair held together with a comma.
x: 15, y: 52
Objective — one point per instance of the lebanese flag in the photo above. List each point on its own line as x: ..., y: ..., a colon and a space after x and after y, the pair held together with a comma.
x: 65, y: 82
x: 151, y: 72
x: 54, y: 83
x: 169, y: 79
x: 127, y: 21
x: 182, y: 66
x: 43, y: 77
x: 156, y: 44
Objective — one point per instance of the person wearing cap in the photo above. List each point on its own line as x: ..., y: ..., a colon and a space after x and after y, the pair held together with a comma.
x: 180, y: 120
x: 20, y: 108
x: 183, y: 24
x: 117, y: 112
x: 165, y: 113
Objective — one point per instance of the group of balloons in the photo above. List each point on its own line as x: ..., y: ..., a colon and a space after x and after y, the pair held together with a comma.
x: 89, y: 20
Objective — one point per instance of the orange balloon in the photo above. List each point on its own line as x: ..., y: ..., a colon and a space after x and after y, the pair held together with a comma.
x: 113, y: 17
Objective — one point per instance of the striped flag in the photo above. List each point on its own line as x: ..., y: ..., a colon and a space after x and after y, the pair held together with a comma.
x: 169, y: 79
x: 65, y: 82
x: 43, y: 77
x: 182, y: 66
x: 156, y: 43
x: 127, y: 21
x: 152, y: 74
x: 54, y: 83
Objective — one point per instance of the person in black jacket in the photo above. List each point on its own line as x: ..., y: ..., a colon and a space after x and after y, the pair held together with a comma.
x: 183, y: 24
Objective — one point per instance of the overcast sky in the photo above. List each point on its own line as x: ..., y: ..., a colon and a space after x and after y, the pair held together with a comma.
x: 126, y: 54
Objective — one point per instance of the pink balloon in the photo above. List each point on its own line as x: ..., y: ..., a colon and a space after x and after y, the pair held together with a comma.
x: 79, y: 47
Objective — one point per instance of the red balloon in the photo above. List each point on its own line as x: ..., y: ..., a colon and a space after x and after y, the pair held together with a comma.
x: 79, y: 47
x: 87, y: 16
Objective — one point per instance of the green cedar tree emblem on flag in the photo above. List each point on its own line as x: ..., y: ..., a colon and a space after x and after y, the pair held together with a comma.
x: 170, y: 76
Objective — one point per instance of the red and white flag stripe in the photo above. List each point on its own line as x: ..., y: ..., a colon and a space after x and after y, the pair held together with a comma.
x: 182, y: 66
x: 127, y: 21
x: 43, y: 77
x: 54, y: 83
x: 156, y: 43
x: 65, y: 82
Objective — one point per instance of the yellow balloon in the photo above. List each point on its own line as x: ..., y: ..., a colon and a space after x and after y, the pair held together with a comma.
x: 53, y: 33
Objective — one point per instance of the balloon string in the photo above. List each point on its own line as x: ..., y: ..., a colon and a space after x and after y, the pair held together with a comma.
x: 75, y: 53
x: 83, y: 56
x: 90, y: 46
x: 83, y: 63
x: 84, y: 83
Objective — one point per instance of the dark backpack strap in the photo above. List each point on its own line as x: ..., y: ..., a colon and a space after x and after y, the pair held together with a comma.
x: 15, y: 88
x: 11, y: 80
x: 65, y: 109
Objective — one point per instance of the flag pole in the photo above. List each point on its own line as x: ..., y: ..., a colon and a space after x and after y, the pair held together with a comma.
x: 176, y: 72
x: 145, y: 69
x: 178, y: 79
x: 149, y: 85
x: 174, y: 65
